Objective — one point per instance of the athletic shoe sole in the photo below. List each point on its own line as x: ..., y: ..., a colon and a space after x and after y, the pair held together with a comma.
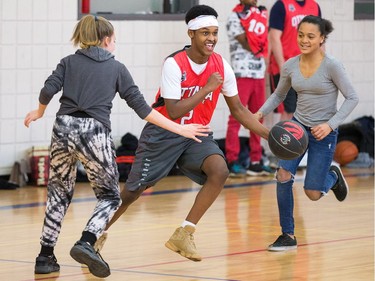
x: 257, y: 174
x: 173, y: 248
x: 96, y: 265
x: 234, y: 175
x: 45, y: 269
x: 281, y: 249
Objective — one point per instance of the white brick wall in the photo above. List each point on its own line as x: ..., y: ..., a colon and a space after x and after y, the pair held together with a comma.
x: 35, y: 34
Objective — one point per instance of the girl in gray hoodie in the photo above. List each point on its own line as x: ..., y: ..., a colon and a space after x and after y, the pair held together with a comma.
x: 89, y: 80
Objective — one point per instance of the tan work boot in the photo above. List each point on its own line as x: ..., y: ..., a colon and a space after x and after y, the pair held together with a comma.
x: 182, y: 242
x: 100, y: 242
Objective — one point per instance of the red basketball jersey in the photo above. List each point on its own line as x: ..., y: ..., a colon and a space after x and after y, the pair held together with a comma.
x: 294, y: 13
x: 255, y: 24
x: 191, y: 83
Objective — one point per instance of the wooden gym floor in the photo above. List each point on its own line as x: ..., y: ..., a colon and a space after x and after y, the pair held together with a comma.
x: 335, y: 239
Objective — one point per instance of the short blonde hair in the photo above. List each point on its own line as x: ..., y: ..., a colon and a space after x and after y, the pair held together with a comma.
x: 91, y: 30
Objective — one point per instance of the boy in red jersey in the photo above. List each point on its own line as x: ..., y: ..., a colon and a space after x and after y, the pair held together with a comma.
x: 191, y: 83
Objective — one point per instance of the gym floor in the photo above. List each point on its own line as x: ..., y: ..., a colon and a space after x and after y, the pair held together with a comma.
x: 335, y: 239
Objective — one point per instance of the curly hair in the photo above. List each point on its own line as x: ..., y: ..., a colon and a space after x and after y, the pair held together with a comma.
x: 199, y: 10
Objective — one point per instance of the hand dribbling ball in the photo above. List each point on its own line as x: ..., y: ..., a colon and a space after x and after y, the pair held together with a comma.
x: 288, y: 140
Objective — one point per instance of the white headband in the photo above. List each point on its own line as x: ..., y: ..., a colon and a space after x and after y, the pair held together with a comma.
x: 202, y: 21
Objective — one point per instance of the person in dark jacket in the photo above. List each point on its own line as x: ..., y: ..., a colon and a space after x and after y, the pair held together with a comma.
x: 89, y: 80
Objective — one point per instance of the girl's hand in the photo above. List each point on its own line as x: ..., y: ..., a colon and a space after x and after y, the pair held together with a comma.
x: 32, y: 116
x: 258, y: 115
x: 321, y: 131
x: 191, y: 131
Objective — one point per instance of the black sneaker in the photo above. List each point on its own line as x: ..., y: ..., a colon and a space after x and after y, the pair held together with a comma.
x: 258, y: 169
x: 84, y: 253
x: 46, y: 264
x: 340, y: 188
x: 283, y: 243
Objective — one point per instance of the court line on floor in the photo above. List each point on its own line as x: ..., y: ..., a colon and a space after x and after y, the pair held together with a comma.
x: 162, y: 192
x: 57, y: 275
x: 131, y: 269
x: 258, y: 251
x: 68, y: 276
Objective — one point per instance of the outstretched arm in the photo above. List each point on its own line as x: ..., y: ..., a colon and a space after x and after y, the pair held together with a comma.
x: 245, y: 117
x: 35, y: 114
x: 189, y: 131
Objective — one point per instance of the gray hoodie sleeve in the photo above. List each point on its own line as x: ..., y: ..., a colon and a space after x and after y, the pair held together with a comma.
x: 279, y: 95
x: 53, y: 84
x: 131, y: 94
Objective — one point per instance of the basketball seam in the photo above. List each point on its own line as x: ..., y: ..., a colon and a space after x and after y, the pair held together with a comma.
x: 284, y: 146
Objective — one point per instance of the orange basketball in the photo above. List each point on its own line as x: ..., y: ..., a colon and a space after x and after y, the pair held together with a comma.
x: 346, y: 151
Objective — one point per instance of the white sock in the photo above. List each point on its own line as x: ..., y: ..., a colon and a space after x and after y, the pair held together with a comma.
x: 185, y: 223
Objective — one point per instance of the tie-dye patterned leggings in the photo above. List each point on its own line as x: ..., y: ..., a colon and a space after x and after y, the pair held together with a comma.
x: 90, y: 142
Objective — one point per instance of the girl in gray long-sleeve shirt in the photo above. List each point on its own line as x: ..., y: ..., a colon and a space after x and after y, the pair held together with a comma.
x: 90, y: 79
x: 317, y: 79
